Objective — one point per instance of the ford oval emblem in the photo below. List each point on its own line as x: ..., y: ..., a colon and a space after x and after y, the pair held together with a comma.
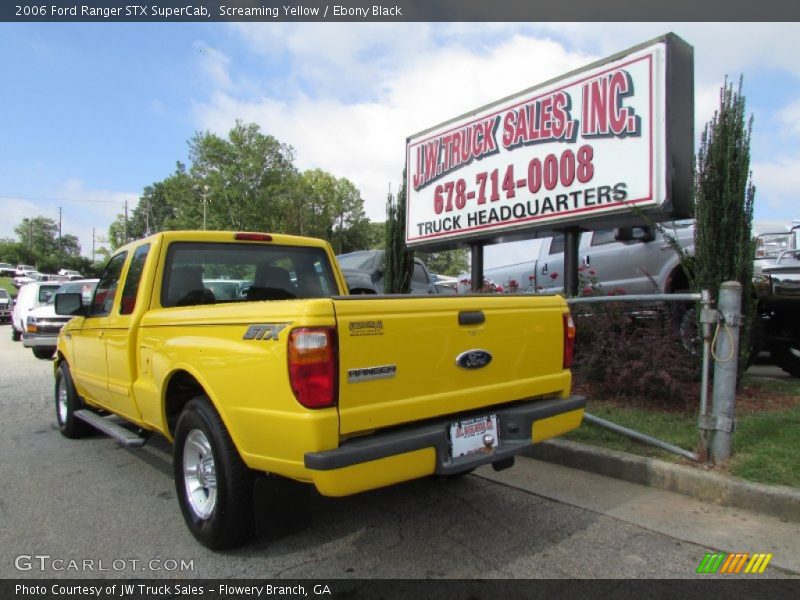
x: 473, y: 359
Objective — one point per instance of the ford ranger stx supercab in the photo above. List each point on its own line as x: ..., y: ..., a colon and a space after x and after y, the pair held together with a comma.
x: 292, y: 377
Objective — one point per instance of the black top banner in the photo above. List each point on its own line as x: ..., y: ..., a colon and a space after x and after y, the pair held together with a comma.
x: 399, y: 11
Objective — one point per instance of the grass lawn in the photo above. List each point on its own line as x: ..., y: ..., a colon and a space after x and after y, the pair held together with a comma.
x: 5, y: 283
x: 766, y: 443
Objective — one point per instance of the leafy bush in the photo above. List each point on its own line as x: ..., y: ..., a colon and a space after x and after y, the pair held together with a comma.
x: 638, y: 354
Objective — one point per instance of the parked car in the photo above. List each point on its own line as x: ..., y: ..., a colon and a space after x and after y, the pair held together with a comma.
x: 42, y: 324
x: 30, y: 296
x: 363, y: 271
x: 6, y: 304
x: 70, y: 274
x: 22, y: 269
x: 26, y: 278
x: 7, y: 270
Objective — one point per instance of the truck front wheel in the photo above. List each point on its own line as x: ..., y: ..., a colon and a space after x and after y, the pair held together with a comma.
x: 67, y: 402
x: 213, y: 485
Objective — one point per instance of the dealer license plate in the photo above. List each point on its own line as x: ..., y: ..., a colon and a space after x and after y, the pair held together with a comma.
x: 467, y: 437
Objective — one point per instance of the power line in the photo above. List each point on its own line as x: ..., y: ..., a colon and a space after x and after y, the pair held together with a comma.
x: 49, y: 199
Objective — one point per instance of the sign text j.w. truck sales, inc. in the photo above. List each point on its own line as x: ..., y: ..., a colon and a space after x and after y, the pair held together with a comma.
x: 582, y: 149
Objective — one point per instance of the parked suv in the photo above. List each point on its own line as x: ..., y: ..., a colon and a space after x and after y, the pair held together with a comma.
x: 30, y: 296
x: 5, y: 306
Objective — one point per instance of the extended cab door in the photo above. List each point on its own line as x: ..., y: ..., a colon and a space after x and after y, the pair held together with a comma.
x: 89, y: 366
x: 103, y: 347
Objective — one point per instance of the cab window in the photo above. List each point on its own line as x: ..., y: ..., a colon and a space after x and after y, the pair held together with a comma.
x: 107, y: 286
x: 604, y: 236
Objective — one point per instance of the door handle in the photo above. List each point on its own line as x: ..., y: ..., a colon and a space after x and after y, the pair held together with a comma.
x: 586, y: 260
x: 544, y: 269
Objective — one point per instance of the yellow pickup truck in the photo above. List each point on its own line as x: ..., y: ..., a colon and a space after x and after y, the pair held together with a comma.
x: 245, y: 351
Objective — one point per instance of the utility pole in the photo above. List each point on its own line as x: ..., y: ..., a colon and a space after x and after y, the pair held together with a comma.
x: 59, y: 232
x: 205, y: 196
x: 126, y: 222
x: 92, y: 245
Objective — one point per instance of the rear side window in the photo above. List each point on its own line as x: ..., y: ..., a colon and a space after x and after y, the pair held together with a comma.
x: 107, y: 287
x: 128, y: 302
x: 207, y: 273
x: 419, y: 274
x: 46, y: 291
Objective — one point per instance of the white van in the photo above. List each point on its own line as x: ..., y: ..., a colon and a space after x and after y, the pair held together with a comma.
x: 30, y: 296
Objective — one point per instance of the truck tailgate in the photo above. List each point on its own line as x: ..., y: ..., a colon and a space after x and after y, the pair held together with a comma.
x: 398, y: 356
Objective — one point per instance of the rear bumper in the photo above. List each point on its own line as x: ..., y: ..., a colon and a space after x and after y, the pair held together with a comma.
x: 406, y: 453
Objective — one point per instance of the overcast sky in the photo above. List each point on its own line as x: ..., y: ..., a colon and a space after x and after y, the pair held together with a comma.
x: 93, y: 113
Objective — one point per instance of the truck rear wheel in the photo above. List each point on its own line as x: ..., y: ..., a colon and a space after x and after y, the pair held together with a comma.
x: 67, y: 402
x: 15, y: 334
x: 213, y: 485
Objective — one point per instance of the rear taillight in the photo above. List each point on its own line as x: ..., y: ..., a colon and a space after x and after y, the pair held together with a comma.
x: 312, y: 366
x: 569, y: 340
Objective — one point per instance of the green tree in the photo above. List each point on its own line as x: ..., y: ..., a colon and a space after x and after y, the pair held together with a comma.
x: 40, y: 245
x: 377, y: 235
x: 447, y: 262
x: 398, y: 260
x: 250, y: 177
x: 724, y: 198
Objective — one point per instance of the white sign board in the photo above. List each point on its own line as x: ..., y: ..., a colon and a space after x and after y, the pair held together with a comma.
x: 578, y: 150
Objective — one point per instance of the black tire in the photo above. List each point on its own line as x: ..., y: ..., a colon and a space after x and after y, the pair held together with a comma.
x: 43, y: 352
x: 787, y: 357
x: 15, y: 334
x: 67, y: 402
x: 220, y: 513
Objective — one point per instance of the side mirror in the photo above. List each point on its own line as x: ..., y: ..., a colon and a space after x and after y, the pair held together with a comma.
x: 377, y: 276
x: 634, y: 234
x: 69, y: 304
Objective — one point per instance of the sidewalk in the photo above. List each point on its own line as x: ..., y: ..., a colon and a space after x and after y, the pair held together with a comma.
x: 712, y: 527
x: 778, y: 501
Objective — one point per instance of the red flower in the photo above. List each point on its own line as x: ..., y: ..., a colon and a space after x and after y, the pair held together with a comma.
x: 531, y: 277
x: 512, y: 283
x: 582, y: 268
x: 553, y: 275
x: 587, y: 291
x: 592, y: 273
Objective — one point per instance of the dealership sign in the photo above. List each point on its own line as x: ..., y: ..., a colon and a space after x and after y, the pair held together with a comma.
x: 598, y: 147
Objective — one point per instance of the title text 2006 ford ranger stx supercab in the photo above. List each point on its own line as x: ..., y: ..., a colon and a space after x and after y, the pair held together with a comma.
x: 244, y: 350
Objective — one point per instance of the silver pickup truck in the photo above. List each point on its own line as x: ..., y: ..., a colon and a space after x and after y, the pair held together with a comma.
x: 641, y: 260
x: 635, y: 260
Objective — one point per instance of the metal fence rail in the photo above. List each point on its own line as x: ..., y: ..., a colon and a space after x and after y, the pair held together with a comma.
x: 707, y: 318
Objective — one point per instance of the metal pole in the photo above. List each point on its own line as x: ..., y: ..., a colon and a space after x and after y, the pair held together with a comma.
x: 572, y: 238
x: 726, y: 351
x: 476, y: 268
x: 641, y: 437
x: 707, y: 317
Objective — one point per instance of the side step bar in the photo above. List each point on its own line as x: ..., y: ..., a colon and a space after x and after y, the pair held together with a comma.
x: 126, y: 437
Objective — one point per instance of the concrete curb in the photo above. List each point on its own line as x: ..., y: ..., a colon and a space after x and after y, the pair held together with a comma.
x: 775, y: 500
